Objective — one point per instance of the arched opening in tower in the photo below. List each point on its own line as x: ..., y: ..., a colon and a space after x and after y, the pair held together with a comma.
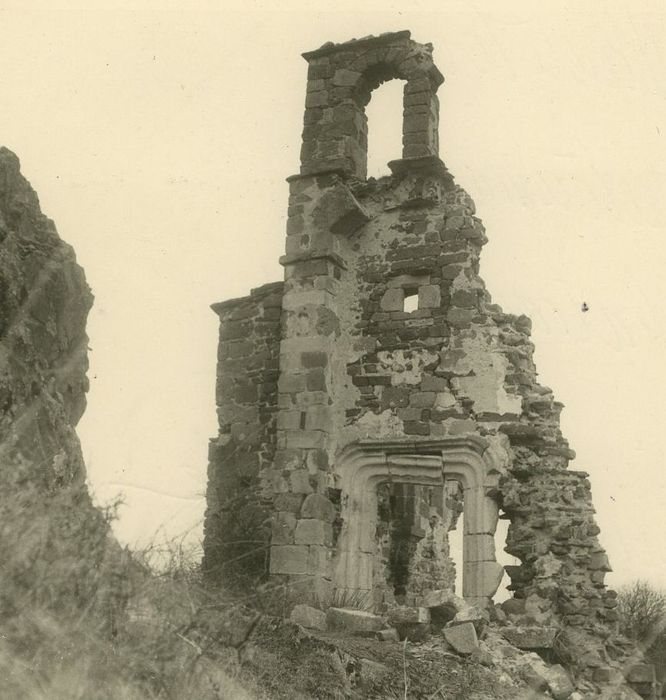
x: 384, y: 115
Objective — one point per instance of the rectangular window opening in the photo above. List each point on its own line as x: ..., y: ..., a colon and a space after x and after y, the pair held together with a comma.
x: 411, y: 301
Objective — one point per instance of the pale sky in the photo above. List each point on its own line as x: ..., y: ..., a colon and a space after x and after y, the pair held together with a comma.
x: 158, y: 136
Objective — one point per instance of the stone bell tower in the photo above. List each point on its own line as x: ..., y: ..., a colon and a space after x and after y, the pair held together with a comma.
x: 377, y: 398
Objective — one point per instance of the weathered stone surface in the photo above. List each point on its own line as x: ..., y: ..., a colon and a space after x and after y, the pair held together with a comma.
x: 318, y: 507
x: 542, y: 676
x: 290, y: 559
x: 307, y: 616
x: 311, y: 531
x: 405, y: 614
x: 388, y: 635
x: 474, y: 614
x: 559, y: 682
x: 354, y: 621
x: 530, y: 637
x: 462, y: 638
x: 641, y: 673
x: 44, y: 302
x: 514, y: 606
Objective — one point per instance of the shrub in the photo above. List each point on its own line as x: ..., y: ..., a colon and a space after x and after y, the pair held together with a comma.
x: 642, y: 611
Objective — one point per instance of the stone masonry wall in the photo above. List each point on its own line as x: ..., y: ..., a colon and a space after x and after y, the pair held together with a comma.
x: 237, y: 524
x: 412, y: 538
x: 357, y: 369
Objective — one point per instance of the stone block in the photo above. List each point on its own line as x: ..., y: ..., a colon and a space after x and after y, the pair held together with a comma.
x: 289, y: 559
x: 316, y: 99
x: 319, y: 418
x: 478, y: 547
x: 299, y: 481
x: 316, y: 380
x: 289, y: 420
x: 474, y: 614
x: 318, y: 560
x: 318, y: 507
x: 484, y: 521
x: 339, y: 212
x: 554, y: 678
x: 408, y: 281
x: 283, y: 527
x: 291, y: 383
x: 309, y: 617
x: 605, y: 676
x: 482, y: 578
x: 406, y: 614
x: 430, y: 383
x: 296, y: 299
x: 288, y: 502
x: 312, y: 531
x: 599, y: 562
x: 345, y: 78
x: 393, y: 300
x: 387, y: 635
x: 450, y: 272
x: 422, y: 399
x: 641, y: 673
x: 514, y: 606
x: 462, y: 638
x: 430, y: 297
x: 354, y: 621
x: 305, y: 439
x: 316, y: 460
x: 443, y: 606
x: 530, y: 638
x: 311, y: 359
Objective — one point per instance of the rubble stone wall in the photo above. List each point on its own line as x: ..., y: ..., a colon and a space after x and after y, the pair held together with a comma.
x: 237, y: 524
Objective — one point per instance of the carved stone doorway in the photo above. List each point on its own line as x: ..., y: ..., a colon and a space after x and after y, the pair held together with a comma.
x: 371, y: 470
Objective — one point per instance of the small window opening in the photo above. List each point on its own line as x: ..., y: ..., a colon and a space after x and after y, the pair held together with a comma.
x: 411, y: 302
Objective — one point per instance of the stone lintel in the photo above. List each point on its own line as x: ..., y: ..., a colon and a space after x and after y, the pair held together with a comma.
x: 478, y: 444
x: 424, y: 165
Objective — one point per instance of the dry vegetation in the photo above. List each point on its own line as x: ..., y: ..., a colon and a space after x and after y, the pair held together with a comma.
x: 643, y: 619
x: 81, y: 618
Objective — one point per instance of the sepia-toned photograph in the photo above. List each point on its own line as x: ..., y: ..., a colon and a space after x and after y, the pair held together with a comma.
x: 332, y: 343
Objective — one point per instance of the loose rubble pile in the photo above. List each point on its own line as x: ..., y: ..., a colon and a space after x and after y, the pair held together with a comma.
x: 527, y: 653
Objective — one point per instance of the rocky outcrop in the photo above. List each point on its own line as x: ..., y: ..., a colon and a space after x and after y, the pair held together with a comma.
x: 44, y: 302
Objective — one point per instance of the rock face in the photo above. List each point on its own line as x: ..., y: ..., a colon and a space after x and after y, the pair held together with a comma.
x: 44, y: 302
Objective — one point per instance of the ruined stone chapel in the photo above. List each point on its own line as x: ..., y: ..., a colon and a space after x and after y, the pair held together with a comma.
x: 377, y: 398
